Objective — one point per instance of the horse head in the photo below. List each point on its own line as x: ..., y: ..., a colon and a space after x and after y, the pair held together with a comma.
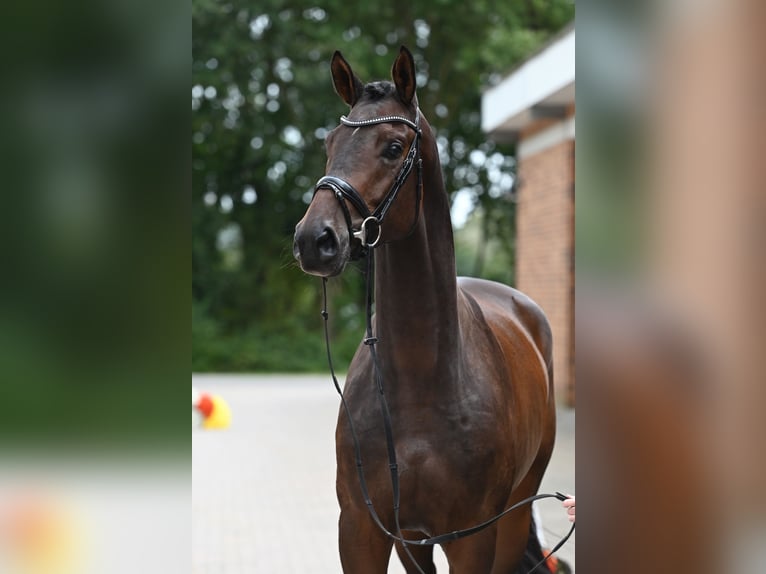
x: 370, y: 192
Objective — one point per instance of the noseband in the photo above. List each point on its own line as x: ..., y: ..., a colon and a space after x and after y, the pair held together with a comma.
x: 370, y: 229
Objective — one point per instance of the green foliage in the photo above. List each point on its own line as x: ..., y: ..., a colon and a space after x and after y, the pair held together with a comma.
x: 262, y: 101
x: 484, y: 247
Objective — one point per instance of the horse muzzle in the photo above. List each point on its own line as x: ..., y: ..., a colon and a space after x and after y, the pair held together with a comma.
x: 319, y: 248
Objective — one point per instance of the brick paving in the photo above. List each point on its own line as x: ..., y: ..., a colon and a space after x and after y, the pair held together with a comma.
x: 263, y: 492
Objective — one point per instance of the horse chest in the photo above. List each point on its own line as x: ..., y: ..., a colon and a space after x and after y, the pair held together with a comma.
x: 435, y: 450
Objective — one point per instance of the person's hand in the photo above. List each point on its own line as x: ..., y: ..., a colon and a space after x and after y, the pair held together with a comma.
x: 569, y: 504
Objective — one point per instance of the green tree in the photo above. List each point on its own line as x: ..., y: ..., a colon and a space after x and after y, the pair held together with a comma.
x: 262, y: 102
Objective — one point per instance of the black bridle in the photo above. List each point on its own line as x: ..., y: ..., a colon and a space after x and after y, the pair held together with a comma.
x: 343, y: 192
x: 370, y: 229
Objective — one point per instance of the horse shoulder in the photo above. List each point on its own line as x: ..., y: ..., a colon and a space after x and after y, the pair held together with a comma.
x: 519, y: 333
x: 504, y: 328
x: 508, y: 311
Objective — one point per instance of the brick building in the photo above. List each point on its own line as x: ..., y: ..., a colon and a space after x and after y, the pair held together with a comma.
x: 535, y: 107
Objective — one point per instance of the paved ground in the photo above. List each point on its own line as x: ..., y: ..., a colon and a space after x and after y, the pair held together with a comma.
x: 263, y: 494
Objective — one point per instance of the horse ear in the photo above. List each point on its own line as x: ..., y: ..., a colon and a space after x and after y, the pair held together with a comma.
x: 347, y: 85
x: 403, y: 74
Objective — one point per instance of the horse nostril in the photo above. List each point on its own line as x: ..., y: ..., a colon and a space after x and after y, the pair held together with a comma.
x: 327, y: 244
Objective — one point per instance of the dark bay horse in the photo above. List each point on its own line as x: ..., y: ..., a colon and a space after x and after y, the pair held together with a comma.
x: 465, y: 363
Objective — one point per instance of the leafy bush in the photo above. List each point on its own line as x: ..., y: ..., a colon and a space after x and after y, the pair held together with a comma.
x: 286, y: 346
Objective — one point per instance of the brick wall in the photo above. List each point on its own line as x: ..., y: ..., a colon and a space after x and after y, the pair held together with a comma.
x: 545, y: 250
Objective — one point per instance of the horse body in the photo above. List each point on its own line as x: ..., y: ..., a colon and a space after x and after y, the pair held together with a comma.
x: 465, y: 364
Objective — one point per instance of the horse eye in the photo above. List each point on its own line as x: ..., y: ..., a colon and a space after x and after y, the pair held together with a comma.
x: 394, y: 150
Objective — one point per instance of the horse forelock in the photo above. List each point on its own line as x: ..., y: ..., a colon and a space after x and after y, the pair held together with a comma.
x: 376, y: 91
x: 382, y: 90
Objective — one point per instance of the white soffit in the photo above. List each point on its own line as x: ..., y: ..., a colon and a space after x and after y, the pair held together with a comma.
x: 545, y: 79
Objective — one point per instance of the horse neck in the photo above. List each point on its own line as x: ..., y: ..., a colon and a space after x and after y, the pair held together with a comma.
x: 416, y: 289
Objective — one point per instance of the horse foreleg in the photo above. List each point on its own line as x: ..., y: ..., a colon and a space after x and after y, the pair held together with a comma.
x: 513, y: 532
x: 423, y: 555
x: 512, y: 540
x: 364, y: 549
x: 472, y: 555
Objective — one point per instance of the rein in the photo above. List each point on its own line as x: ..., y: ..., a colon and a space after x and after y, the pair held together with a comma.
x: 345, y: 191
